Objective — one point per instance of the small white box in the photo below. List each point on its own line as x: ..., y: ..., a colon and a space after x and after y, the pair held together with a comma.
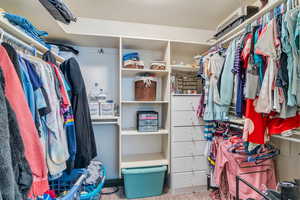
x: 107, y: 109
x: 94, y: 109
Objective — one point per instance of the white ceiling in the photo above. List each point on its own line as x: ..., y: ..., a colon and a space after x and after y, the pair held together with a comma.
x: 201, y: 14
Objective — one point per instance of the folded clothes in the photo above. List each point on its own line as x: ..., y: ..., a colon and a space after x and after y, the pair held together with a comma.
x: 59, y: 10
x: 131, y: 56
x: 26, y: 26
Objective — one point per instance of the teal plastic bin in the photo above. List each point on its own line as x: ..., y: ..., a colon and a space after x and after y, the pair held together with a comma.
x: 144, y: 182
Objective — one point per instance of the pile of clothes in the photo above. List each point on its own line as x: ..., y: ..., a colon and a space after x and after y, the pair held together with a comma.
x: 59, y: 10
x: 132, y: 60
x: 26, y: 26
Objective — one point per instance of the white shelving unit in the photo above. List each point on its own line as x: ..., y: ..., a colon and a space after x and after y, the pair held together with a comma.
x: 144, y: 149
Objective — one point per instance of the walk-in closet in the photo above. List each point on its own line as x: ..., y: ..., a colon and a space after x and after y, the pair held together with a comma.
x: 149, y: 99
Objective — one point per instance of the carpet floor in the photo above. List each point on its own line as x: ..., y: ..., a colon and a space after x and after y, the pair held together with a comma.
x: 166, y: 196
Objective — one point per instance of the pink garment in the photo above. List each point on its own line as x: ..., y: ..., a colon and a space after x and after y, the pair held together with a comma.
x: 227, y: 162
x: 33, y: 148
x: 65, y: 99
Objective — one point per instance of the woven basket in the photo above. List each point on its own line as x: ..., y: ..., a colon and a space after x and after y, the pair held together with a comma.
x: 144, y: 91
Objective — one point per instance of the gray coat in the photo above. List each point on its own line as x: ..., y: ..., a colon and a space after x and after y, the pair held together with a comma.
x: 15, y: 175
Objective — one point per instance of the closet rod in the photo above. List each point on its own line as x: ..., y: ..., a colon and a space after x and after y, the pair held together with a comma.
x: 240, y: 29
x: 8, y: 36
x: 20, y: 35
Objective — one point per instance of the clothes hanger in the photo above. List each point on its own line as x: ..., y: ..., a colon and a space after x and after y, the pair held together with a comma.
x: 2, y: 35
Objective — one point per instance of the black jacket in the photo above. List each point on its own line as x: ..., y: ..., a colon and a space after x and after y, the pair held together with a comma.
x: 86, y: 146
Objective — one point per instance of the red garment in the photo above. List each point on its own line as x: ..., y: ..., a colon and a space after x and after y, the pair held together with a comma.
x: 33, y: 148
x: 255, y: 124
x: 278, y: 125
x: 228, y: 163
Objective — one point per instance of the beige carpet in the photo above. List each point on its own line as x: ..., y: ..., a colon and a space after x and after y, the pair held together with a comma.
x: 193, y: 196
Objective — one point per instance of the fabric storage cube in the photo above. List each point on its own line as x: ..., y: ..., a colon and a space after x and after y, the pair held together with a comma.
x: 144, y: 182
x: 147, y: 121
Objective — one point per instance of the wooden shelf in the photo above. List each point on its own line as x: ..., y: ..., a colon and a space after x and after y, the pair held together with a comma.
x: 132, y: 132
x: 135, y: 72
x: 105, y: 117
x: 143, y: 160
x: 145, y: 102
x: 11, y: 29
x: 186, y: 94
x: 184, y: 68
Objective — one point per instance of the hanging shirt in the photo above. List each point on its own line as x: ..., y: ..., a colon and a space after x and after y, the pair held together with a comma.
x: 267, y: 46
x: 213, y: 109
x: 227, y: 78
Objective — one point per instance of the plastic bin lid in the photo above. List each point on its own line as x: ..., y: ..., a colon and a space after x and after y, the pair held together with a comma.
x: 144, y: 170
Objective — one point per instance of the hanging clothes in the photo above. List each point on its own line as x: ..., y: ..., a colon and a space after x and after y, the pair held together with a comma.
x: 66, y: 109
x: 86, y: 146
x: 227, y: 77
x: 54, y: 137
x: 33, y: 148
x: 22, y: 171
x: 267, y: 45
x: 13, y: 55
x: 213, y: 109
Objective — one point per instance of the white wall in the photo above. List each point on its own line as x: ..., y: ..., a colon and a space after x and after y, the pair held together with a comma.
x: 98, y: 27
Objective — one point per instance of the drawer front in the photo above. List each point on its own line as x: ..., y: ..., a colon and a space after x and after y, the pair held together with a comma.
x: 185, y: 103
x: 199, y: 178
x: 200, y: 163
x: 182, y: 180
x: 184, y: 164
x: 182, y: 134
x: 183, y: 149
x: 187, y: 164
x: 185, y: 118
x: 189, y: 179
x: 199, y: 148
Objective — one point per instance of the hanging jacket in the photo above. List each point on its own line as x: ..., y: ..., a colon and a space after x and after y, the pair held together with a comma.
x: 8, y: 187
x: 86, y: 146
x: 22, y: 171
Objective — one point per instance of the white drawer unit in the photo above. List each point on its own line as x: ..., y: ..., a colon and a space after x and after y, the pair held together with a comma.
x: 188, y: 163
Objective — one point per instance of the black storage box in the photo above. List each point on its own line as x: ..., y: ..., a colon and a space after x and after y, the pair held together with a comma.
x: 147, y: 121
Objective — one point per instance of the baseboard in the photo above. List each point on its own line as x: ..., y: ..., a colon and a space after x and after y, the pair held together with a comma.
x: 114, y: 182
